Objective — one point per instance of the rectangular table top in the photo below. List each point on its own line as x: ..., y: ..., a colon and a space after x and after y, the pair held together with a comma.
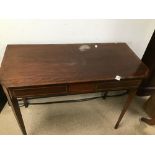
x: 45, y: 64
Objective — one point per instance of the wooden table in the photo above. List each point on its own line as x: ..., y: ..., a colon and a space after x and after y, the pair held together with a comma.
x: 64, y: 69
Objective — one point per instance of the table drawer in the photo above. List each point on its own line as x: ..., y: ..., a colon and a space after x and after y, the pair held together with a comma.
x: 114, y: 85
x: 40, y: 91
x: 82, y: 88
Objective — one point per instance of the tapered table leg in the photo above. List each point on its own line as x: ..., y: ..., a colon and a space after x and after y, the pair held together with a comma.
x: 18, y: 115
x: 16, y: 110
x: 25, y: 102
x: 131, y: 94
x: 105, y: 95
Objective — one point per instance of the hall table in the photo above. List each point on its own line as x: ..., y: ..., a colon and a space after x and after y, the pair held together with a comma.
x: 38, y: 70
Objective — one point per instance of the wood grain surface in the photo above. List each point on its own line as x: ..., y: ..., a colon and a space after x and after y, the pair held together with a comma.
x: 33, y: 65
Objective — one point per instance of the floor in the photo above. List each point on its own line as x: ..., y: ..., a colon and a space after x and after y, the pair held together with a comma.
x: 93, y: 117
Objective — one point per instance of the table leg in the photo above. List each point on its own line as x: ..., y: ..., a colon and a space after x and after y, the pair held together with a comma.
x: 131, y: 94
x: 25, y: 102
x: 149, y: 121
x: 16, y: 110
x: 105, y: 95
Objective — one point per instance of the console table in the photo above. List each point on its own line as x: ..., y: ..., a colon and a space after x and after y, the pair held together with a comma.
x: 62, y: 69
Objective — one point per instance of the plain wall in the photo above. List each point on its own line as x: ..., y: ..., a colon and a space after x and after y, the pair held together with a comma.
x: 136, y: 33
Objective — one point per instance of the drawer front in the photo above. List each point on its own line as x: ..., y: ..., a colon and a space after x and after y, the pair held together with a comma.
x: 82, y: 88
x: 40, y: 91
x: 77, y: 88
x: 114, y: 85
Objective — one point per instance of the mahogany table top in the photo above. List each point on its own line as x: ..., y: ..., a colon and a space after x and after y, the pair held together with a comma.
x: 45, y: 64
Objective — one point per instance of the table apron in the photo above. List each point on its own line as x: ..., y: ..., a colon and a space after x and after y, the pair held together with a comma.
x: 75, y: 88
